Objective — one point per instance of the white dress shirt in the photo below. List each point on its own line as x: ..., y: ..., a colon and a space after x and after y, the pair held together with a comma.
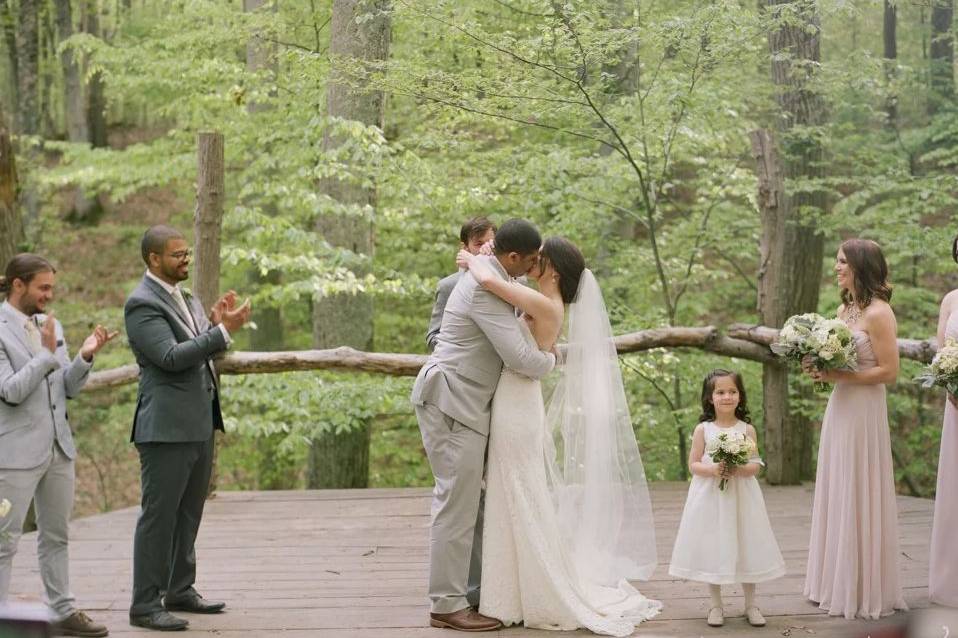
x: 177, y: 294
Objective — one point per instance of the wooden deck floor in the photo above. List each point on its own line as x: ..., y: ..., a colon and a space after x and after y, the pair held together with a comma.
x: 354, y: 564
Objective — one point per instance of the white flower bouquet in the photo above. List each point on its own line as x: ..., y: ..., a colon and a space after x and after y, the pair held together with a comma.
x: 827, y: 342
x: 731, y: 448
x: 943, y: 370
x: 5, y: 507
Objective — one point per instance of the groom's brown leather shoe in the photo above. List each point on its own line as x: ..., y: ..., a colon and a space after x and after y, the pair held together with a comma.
x: 467, y: 619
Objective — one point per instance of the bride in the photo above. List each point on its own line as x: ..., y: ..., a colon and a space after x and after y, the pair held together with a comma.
x: 568, y: 520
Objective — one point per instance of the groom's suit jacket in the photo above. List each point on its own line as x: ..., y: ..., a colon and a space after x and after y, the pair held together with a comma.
x: 479, y: 334
x: 177, y: 399
x: 34, y: 388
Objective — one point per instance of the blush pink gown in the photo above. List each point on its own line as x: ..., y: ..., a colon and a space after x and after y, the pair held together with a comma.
x: 853, y: 550
x: 943, y: 559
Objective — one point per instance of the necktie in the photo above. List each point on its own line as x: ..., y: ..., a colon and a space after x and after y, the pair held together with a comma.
x: 181, y: 302
x: 33, y: 335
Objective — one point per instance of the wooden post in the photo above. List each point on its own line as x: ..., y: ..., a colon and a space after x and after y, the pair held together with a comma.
x: 208, y: 217
x: 11, y: 224
x: 207, y: 224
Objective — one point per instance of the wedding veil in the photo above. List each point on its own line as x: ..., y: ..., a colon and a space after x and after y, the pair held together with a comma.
x: 592, y: 459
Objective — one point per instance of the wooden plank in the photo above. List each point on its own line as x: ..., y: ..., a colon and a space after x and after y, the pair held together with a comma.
x: 354, y: 563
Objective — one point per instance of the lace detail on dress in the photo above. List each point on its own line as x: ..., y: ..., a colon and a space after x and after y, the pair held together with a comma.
x: 527, y: 574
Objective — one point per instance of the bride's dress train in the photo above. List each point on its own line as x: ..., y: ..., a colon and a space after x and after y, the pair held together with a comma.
x: 528, y: 574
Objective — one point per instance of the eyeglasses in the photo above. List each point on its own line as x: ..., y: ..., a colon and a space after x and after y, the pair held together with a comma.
x: 182, y: 255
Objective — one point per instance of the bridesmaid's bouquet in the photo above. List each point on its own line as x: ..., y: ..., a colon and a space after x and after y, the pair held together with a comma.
x: 827, y: 342
x: 731, y: 448
x: 943, y: 370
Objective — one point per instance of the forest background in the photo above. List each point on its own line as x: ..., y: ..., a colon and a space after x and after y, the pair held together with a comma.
x: 359, y: 134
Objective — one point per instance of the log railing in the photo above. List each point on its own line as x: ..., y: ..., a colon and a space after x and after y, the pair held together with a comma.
x: 742, y: 341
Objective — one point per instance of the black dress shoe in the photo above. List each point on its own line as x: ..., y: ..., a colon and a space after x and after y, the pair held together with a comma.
x: 160, y: 621
x: 195, y: 604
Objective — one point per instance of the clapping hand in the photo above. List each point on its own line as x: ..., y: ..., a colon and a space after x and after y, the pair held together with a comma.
x: 48, y: 333
x: 92, y: 344
x: 226, y: 311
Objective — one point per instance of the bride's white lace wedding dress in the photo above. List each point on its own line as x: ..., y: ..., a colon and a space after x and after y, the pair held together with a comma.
x: 557, y: 543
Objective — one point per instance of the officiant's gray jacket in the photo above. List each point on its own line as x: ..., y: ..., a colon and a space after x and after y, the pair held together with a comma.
x: 34, y: 388
x: 479, y: 334
x: 177, y: 399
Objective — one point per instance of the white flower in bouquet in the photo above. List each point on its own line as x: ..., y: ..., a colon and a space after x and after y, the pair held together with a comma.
x: 828, y: 342
x: 5, y: 507
x: 943, y: 371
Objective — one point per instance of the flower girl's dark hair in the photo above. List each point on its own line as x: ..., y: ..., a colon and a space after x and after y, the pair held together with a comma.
x: 708, y: 386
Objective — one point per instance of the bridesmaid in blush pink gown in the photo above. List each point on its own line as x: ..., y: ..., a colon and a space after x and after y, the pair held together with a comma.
x: 943, y: 558
x: 853, y: 550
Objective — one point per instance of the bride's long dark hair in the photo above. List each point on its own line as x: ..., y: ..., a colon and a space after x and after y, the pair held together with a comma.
x: 568, y: 263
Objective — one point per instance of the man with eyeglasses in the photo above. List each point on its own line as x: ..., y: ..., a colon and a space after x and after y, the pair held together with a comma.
x: 177, y: 410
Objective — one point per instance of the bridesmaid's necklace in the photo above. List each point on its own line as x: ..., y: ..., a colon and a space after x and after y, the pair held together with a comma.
x: 852, y: 313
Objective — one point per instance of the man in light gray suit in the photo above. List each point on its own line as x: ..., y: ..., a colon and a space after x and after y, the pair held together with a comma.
x: 473, y: 235
x: 453, y: 397
x: 37, y: 451
x: 177, y: 410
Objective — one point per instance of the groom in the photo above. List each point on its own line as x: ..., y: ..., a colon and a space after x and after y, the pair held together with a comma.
x: 453, y: 396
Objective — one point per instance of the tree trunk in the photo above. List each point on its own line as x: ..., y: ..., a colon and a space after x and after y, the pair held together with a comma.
x: 890, y: 53
x: 74, y: 106
x: 74, y: 99
x: 11, y: 226
x: 49, y: 108
x: 28, y: 68
x: 942, y: 55
x: 96, y: 106
x: 275, y: 471
x: 792, y: 249
x: 268, y: 335
x: 342, y: 460
x: 8, y: 25
x: 207, y: 225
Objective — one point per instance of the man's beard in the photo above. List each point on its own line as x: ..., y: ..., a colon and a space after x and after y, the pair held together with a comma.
x: 29, y: 306
x: 174, y: 274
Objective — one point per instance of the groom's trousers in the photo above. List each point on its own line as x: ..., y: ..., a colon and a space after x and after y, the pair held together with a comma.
x: 457, y: 457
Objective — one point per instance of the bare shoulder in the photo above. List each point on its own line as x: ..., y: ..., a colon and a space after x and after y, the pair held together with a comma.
x: 879, y: 310
x: 949, y: 301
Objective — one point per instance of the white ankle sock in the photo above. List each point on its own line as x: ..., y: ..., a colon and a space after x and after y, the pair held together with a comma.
x: 716, y: 592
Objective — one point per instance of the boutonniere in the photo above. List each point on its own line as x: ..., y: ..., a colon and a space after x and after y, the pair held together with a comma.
x: 187, y: 293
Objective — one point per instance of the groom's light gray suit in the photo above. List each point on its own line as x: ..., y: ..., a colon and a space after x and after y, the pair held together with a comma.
x: 37, y: 451
x: 453, y: 398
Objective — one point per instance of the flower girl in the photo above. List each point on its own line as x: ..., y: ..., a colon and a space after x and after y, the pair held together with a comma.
x: 725, y: 537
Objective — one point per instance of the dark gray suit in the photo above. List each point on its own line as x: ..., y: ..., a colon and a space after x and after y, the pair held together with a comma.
x: 177, y: 409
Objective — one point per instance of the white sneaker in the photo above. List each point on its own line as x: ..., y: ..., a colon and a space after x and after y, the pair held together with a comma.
x: 716, y: 617
x: 755, y: 617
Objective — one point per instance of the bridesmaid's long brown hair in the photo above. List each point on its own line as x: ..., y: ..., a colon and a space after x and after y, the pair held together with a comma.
x: 868, y: 264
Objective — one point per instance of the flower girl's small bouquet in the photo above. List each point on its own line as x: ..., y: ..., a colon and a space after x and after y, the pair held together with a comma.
x: 731, y: 448
x: 5, y: 507
x: 828, y: 342
x: 943, y: 370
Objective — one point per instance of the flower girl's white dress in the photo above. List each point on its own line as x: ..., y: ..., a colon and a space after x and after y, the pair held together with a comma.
x: 725, y: 536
